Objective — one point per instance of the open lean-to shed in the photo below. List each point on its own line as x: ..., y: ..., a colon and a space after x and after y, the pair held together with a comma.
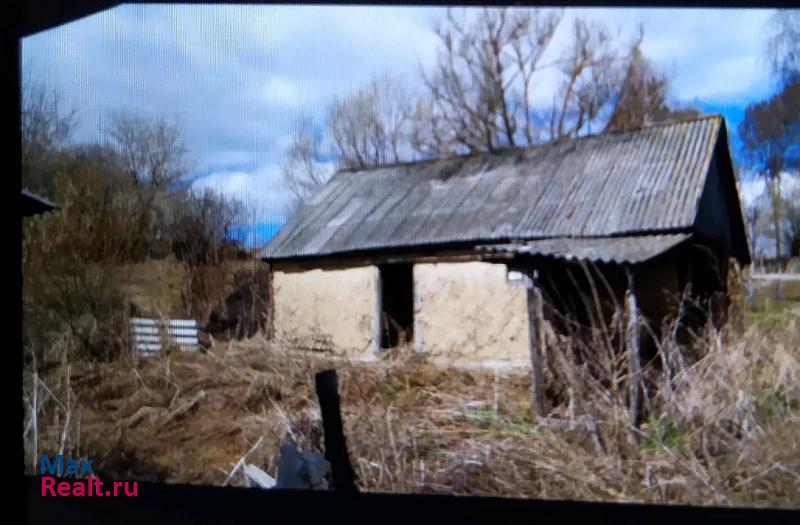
x: 444, y: 253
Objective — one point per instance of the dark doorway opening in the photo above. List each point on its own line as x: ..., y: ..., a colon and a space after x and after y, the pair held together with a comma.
x: 397, y: 304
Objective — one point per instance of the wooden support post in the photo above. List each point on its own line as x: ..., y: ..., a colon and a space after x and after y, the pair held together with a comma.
x: 536, y: 343
x: 634, y: 358
x: 344, y: 476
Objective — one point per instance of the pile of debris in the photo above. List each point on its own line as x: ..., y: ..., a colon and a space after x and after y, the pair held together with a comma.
x: 296, y: 470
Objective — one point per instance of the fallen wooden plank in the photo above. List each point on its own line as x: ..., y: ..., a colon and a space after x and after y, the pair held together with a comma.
x: 259, y: 477
x: 146, y: 412
x: 184, y: 409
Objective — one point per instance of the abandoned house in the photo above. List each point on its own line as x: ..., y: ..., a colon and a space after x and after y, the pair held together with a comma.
x: 442, y: 255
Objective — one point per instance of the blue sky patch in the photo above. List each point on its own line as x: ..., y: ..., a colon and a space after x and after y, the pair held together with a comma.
x: 255, y: 235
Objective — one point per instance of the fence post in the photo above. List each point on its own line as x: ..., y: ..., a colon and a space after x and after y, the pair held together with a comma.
x: 535, y: 342
x: 344, y: 477
x: 634, y: 358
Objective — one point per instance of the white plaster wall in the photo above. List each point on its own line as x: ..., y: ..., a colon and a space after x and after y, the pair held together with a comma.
x: 468, y: 312
x: 334, y: 309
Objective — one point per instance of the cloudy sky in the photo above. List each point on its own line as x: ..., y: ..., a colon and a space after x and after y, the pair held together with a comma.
x: 239, y: 76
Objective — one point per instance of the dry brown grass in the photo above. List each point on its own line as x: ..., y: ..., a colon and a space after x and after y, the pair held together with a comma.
x: 724, y: 429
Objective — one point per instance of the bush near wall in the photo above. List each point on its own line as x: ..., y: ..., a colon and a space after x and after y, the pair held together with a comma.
x: 232, y: 299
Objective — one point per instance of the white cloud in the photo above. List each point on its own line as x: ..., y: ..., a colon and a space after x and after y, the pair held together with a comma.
x: 711, y: 53
x: 727, y: 78
x: 751, y: 189
x: 281, y: 91
x: 260, y: 191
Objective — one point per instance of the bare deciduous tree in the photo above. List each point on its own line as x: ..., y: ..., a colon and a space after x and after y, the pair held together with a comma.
x: 371, y: 126
x: 204, y: 226
x: 152, y: 155
x: 479, y: 97
x: 642, y: 95
x: 303, y: 170
x: 793, y: 221
x: 589, y: 68
x: 480, y: 87
x: 752, y: 216
x: 152, y: 151
x: 770, y: 133
x: 783, y: 46
x: 367, y: 128
x: 46, y: 129
x: 481, y: 90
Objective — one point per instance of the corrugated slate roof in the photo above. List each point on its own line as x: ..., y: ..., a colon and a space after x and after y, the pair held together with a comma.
x: 635, y: 182
x: 629, y: 249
